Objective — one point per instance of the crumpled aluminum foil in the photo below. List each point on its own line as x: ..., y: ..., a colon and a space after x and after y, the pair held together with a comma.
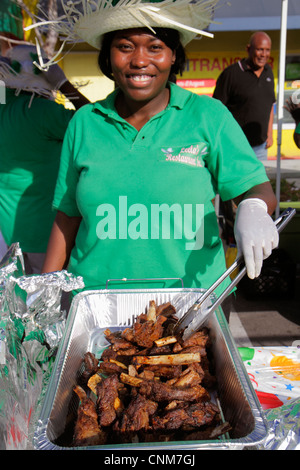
x: 32, y: 323
x: 12, y: 262
x: 284, y: 427
x: 36, y: 300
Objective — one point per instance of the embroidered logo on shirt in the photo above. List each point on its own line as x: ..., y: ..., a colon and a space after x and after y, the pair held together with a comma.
x: 188, y: 155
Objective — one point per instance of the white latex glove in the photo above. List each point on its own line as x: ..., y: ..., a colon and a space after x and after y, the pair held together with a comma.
x: 55, y: 76
x: 255, y: 233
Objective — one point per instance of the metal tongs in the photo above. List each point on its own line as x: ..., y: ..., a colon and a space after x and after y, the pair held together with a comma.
x: 193, y: 319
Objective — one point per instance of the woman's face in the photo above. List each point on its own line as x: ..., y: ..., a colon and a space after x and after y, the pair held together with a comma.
x: 140, y: 63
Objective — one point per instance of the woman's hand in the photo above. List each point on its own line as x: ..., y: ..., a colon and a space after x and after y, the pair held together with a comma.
x: 255, y: 231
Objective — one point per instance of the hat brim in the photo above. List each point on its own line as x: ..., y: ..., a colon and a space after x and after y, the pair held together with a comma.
x: 189, y: 18
x: 91, y: 30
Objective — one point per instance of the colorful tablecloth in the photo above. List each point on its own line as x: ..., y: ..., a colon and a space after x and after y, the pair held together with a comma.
x: 274, y: 373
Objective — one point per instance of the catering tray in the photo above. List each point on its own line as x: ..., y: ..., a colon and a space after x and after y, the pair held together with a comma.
x: 90, y: 314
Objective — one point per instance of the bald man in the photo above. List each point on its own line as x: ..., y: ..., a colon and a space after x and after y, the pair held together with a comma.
x: 247, y: 90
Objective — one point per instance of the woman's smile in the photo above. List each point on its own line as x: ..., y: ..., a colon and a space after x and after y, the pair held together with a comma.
x: 141, y: 79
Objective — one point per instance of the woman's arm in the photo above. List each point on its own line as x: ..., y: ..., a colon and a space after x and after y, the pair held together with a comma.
x: 61, y: 242
x: 262, y: 191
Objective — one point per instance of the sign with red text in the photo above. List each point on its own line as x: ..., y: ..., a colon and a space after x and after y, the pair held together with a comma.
x: 203, y: 68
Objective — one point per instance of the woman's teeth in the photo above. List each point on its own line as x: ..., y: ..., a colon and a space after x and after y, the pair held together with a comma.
x: 140, y: 78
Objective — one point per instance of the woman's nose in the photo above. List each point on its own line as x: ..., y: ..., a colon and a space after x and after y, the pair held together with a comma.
x: 139, y: 58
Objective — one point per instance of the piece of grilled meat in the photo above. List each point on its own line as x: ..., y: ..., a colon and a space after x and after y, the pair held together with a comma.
x: 87, y: 430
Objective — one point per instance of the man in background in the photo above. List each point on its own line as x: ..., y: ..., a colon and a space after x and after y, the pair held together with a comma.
x: 247, y: 90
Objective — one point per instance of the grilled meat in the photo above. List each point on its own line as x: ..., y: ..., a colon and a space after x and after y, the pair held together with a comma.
x: 187, y: 418
x: 91, y: 365
x: 145, y: 333
x: 162, y: 392
x: 149, y: 384
x: 87, y: 431
x: 108, y: 401
x: 137, y: 415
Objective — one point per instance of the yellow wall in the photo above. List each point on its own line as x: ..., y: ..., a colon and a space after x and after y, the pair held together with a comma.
x: 82, y: 68
x: 288, y: 148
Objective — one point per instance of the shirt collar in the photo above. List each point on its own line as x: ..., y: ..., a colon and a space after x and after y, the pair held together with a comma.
x: 244, y: 67
x: 178, y: 98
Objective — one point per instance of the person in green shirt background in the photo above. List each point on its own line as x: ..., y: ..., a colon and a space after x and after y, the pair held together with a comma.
x: 32, y: 127
x: 139, y: 170
x: 294, y: 109
x: 11, y: 25
x: 297, y: 135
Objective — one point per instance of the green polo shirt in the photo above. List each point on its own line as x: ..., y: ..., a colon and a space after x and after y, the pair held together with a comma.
x: 146, y: 197
x: 30, y: 145
x: 11, y: 19
x: 297, y: 130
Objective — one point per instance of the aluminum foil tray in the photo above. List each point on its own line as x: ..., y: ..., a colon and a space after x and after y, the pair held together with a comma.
x: 90, y: 314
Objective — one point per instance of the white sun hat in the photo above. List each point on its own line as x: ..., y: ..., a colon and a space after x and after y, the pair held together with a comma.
x: 88, y: 20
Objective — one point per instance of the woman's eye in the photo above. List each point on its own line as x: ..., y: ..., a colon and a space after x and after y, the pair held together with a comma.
x: 124, y: 47
x: 156, y: 47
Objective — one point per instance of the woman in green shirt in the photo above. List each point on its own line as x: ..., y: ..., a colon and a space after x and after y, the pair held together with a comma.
x: 139, y: 171
x: 32, y: 127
